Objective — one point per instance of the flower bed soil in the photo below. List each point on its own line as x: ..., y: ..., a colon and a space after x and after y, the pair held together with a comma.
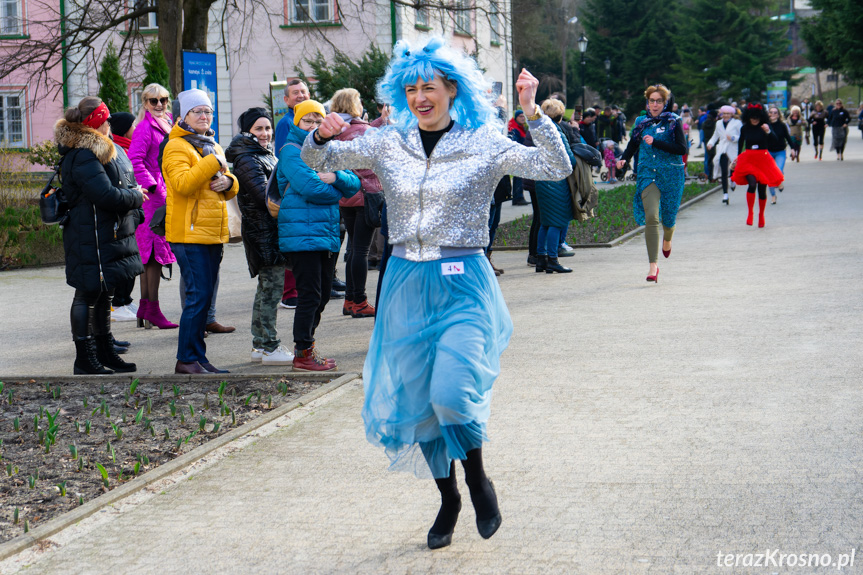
x: 613, y: 219
x: 127, y: 429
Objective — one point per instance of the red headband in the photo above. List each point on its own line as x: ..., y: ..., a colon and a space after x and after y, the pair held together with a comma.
x: 756, y: 106
x: 98, y: 117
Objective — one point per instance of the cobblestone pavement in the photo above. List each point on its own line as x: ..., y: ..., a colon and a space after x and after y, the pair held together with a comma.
x: 636, y: 428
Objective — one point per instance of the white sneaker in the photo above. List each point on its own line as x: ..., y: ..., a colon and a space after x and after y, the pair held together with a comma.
x: 122, y: 313
x: 133, y: 308
x: 279, y: 356
x: 257, y: 354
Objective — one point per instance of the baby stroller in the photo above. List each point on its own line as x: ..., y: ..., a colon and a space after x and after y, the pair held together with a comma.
x: 622, y: 174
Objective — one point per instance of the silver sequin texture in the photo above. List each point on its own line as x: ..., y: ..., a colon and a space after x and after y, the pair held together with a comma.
x: 442, y: 200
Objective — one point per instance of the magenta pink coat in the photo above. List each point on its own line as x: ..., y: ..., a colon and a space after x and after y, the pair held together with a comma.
x: 144, y: 154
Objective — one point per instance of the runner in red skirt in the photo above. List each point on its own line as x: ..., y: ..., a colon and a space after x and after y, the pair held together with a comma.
x: 754, y: 165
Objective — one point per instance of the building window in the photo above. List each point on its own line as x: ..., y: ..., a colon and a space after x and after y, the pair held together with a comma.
x: 308, y: 11
x: 423, y: 20
x: 11, y: 121
x: 462, y: 17
x: 136, y: 91
x: 10, y: 17
x: 148, y: 21
x: 494, y: 22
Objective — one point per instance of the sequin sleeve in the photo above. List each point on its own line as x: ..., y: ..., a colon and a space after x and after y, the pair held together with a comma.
x: 547, y: 161
x: 357, y: 154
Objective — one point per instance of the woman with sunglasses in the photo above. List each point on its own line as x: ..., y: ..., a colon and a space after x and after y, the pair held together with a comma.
x: 196, y: 220
x: 659, y: 140
x: 153, y: 125
x: 442, y: 323
x: 776, y: 146
x: 309, y: 222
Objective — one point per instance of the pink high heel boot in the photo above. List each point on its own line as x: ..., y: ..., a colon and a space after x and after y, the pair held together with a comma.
x: 155, y: 316
x: 143, y: 308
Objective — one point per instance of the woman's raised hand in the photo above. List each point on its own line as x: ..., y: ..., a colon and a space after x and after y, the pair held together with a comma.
x: 333, y: 126
x: 527, y: 86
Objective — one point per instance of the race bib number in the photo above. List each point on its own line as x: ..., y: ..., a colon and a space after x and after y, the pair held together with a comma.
x: 452, y: 268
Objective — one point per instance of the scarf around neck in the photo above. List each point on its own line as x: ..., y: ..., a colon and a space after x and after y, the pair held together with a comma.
x: 205, y: 142
x: 513, y: 125
x: 669, y: 117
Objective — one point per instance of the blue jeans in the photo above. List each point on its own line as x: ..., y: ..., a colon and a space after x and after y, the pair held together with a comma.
x: 548, y: 241
x: 211, y: 313
x: 779, y: 158
x: 199, y: 264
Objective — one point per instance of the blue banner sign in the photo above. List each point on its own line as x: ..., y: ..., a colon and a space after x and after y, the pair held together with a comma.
x: 199, y: 71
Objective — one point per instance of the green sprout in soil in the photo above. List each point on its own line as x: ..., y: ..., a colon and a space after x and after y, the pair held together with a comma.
x: 137, y: 468
x: 206, y: 401
x: 80, y: 464
x: 222, y: 387
x: 233, y: 418
x: 118, y: 432
x: 73, y: 450
x: 102, y: 390
x: 270, y: 402
x: 202, y: 422
x: 85, y: 403
x: 87, y: 427
x: 15, y: 516
x: 161, y: 386
x: 182, y: 418
x: 11, y: 391
x: 9, y: 469
x: 31, y: 481
x: 26, y: 526
x: 139, y: 415
x: 80, y: 500
x: 191, y: 410
x: 173, y: 407
x: 77, y: 426
x: 56, y: 392
x: 149, y: 405
x: 248, y: 399
x: 176, y: 391
x: 134, y: 386
x: 216, y: 426
x: 62, y: 486
x: 167, y: 434
x: 16, y: 424
x: 103, y: 472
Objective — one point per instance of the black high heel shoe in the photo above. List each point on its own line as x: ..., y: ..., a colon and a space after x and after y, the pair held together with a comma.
x: 439, y: 540
x: 488, y: 527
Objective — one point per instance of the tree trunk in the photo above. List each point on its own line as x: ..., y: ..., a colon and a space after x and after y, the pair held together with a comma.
x: 197, y: 21
x: 170, y: 38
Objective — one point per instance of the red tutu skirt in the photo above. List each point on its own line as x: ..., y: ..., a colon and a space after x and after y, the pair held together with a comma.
x: 758, y: 163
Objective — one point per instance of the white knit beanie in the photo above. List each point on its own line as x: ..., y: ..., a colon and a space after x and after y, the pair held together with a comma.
x: 192, y: 99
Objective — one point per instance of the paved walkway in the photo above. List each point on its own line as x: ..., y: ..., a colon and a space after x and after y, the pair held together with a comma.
x: 636, y: 428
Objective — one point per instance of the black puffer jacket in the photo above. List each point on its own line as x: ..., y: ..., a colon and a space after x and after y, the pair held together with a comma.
x: 99, y: 239
x: 252, y: 168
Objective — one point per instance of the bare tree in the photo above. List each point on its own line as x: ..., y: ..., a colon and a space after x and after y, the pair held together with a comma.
x: 74, y: 37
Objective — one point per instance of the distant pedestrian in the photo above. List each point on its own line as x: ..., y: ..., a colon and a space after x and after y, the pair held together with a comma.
x: 725, y: 137
x: 754, y: 165
x: 517, y: 130
x: 610, y: 160
x: 659, y: 141
x: 839, y: 119
x: 796, y: 126
x: 818, y: 123
x: 99, y: 232
x: 776, y: 146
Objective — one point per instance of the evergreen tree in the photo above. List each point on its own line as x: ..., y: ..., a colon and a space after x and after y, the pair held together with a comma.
x: 112, y: 85
x: 728, y: 50
x: 636, y: 36
x: 155, y: 66
x: 835, y: 37
x: 343, y: 72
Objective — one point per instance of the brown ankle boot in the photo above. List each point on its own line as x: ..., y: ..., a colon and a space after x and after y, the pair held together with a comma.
x: 309, y: 360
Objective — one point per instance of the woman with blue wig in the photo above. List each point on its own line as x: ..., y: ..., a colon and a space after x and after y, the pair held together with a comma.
x: 442, y: 323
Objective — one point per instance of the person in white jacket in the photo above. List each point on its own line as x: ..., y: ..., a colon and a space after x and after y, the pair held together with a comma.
x: 725, y: 139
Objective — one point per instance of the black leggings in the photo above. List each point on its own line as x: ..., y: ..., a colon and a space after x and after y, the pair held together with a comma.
x: 818, y: 137
x: 753, y: 183
x: 91, y: 308
x: 723, y: 167
x: 359, y: 239
x: 535, y: 223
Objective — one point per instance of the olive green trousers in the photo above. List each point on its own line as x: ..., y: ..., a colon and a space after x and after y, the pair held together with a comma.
x: 652, y: 223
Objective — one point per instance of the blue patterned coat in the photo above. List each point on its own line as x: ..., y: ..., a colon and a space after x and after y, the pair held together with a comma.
x: 664, y: 169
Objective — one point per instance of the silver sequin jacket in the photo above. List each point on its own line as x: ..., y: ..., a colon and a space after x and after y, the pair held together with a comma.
x: 442, y: 200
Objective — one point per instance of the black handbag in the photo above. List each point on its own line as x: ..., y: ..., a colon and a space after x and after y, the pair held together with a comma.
x: 157, y: 223
x: 372, y: 205
x: 53, y: 207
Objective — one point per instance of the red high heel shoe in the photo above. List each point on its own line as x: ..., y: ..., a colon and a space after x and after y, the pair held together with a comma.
x: 667, y: 252
x: 654, y: 278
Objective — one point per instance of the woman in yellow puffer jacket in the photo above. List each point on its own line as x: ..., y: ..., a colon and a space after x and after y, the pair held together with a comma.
x: 196, y: 219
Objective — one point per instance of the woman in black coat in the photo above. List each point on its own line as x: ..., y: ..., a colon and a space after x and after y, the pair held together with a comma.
x: 99, y: 234
x: 252, y: 155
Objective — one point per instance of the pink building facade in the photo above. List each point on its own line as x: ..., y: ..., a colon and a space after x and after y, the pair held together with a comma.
x: 251, y: 48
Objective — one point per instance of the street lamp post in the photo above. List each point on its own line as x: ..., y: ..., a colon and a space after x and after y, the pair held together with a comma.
x: 582, y: 47
x: 564, y: 49
x: 607, y: 75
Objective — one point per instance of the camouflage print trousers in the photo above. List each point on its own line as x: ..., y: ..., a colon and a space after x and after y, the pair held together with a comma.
x: 271, y: 280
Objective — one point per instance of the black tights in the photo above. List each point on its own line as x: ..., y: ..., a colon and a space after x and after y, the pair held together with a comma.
x: 723, y: 167
x: 481, y: 494
x: 91, y: 308
x: 753, y: 183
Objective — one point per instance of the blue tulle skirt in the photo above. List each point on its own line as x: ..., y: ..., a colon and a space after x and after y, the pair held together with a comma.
x: 433, y: 357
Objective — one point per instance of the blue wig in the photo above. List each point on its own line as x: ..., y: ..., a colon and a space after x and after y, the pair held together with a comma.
x: 472, y: 106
